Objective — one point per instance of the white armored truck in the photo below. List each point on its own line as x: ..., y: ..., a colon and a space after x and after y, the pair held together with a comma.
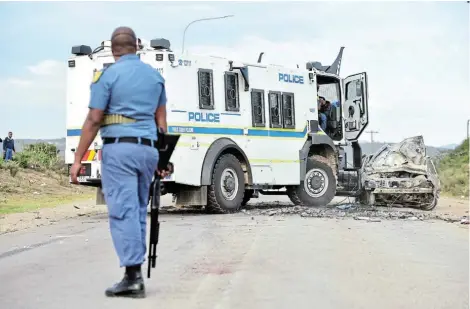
x: 246, y: 128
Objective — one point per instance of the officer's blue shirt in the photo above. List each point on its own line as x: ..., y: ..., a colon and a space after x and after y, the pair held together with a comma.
x: 133, y: 89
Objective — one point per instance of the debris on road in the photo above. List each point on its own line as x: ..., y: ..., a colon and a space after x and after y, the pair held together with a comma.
x: 401, y: 174
x: 362, y: 218
x: 345, y: 206
x: 354, y: 211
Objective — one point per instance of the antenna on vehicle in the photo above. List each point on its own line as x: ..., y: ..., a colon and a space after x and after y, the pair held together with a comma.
x: 260, y: 57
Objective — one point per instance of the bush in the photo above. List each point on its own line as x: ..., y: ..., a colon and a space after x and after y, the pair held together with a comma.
x: 13, y: 167
x: 453, y: 171
x: 41, y: 157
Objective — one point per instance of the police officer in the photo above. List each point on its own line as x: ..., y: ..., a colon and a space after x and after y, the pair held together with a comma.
x: 128, y: 100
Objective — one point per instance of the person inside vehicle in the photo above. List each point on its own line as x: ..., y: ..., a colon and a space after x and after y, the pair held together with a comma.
x: 323, y: 108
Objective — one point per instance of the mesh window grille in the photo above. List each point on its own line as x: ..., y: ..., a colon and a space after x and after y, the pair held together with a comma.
x: 257, y: 107
x: 231, y: 92
x: 275, y: 109
x: 288, y: 110
x: 206, y: 90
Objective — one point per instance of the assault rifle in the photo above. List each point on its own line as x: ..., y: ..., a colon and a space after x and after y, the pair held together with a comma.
x: 166, y: 146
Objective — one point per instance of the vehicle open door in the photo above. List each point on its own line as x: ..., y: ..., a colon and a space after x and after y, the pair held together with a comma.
x: 356, y: 112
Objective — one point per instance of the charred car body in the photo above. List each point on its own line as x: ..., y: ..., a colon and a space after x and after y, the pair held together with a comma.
x: 400, y: 175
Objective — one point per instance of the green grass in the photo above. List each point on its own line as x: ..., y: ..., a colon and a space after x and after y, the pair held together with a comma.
x: 37, y: 178
x: 22, y: 204
x: 453, y: 171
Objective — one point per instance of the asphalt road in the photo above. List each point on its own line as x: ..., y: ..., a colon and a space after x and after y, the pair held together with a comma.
x: 240, y: 261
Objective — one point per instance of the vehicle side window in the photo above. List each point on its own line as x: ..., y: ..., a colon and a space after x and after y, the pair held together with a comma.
x: 288, y: 110
x: 353, y: 89
x: 275, y: 109
x: 206, y: 89
x: 257, y: 108
x: 232, y: 101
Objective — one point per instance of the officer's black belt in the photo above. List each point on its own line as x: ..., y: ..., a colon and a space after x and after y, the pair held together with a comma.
x: 132, y: 140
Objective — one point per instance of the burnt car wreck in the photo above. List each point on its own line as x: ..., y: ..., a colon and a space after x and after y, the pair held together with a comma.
x: 400, y: 175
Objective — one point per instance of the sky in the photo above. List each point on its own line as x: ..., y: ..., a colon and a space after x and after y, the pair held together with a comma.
x: 416, y: 54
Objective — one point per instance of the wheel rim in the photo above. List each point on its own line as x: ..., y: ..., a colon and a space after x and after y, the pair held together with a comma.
x: 229, y: 184
x: 316, y: 182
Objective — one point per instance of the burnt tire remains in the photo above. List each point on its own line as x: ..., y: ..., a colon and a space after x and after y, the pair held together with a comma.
x: 227, y: 190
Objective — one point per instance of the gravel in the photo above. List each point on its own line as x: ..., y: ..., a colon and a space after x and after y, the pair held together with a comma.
x: 355, y: 211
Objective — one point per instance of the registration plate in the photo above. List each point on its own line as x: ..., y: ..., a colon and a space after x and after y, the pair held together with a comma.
x: 82, y: 178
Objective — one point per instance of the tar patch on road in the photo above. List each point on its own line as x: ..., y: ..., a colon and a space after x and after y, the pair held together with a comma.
x: 37, y: 245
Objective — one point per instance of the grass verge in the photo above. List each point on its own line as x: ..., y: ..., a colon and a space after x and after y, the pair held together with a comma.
x: 27, y: 204
x: 453, y: 171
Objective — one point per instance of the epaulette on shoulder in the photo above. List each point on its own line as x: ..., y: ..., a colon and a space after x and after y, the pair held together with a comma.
x: 98, y: 73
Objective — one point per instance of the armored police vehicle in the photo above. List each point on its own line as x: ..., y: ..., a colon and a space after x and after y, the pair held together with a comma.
x: 245, y: 128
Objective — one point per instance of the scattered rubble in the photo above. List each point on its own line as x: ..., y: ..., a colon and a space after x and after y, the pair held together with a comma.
x: 354, y: 211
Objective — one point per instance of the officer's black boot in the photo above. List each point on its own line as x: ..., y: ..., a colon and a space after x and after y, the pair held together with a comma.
x: 132, y: 285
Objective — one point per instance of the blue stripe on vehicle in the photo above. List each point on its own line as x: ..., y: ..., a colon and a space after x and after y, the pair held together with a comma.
x: 221, y: 131
x: 205, y: 130
x: 230, y: 114
x: 74, y: 132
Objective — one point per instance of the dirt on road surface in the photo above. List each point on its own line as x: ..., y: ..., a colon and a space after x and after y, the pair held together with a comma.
x: 252, y: 259
x: 449, y: 209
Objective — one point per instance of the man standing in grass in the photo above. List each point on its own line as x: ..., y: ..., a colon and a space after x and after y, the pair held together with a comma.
x: 8, y: 147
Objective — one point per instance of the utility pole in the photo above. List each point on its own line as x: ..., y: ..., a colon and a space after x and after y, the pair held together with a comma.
x: 372, y: 135
x: 198, y: 20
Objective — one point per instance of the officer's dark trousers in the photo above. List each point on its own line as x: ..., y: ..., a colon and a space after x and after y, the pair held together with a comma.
x: 127, y: 171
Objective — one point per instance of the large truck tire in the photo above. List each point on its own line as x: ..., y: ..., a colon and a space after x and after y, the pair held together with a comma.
x: 227, y: 190
x: 318, y: 187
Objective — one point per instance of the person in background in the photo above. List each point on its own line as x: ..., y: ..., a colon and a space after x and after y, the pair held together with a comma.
x: 8, y: 147
x: 321, y: 113
x: 324, y: 110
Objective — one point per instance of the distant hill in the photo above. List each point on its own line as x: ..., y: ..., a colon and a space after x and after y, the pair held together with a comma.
x: 450, y: 146
x: 369, y: 148
x: 453, y: 169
